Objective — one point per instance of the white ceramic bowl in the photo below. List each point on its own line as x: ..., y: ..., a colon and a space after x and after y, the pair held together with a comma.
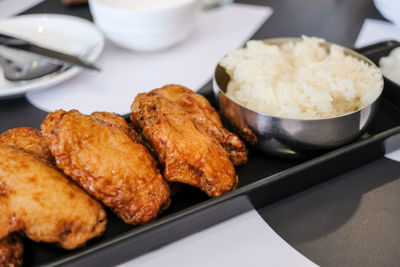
x: 389, y: 9
x: 145, y: 24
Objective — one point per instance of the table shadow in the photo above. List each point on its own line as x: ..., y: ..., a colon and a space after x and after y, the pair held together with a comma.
x: 323, y: 209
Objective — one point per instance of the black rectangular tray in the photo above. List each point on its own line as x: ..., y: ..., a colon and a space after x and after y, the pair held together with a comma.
x: 263, y: 180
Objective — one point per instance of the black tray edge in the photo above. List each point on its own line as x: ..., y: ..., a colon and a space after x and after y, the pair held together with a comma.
x: 377, y: 47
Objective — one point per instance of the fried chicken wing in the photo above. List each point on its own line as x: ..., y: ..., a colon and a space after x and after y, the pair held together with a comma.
x: 232, y: 113
x: 38, y: 200
x: 206, y: 119
x: 104, y: 157
x: 30, y: 140
x: 11, y: 250
x: 112, y: 117
x: 119, y: 120
x: 188, y: 155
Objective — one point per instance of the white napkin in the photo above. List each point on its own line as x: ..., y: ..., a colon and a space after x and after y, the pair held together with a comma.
x: 374, y: 31
x: 126, y: 73
x: 245, y: 240
x: 12, y: 7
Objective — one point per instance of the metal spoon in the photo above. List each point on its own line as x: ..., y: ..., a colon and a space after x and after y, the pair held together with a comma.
x: 21, y: 66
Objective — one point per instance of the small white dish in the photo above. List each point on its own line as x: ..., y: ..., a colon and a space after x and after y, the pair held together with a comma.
x: 63, y: 33
x: 145, y: 25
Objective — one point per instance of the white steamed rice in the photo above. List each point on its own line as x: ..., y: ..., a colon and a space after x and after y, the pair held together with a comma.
x: 300, y: 80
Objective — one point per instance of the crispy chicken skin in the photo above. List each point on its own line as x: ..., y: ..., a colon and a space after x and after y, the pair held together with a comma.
x: 111, y: 117
x: 11, y: 251
x: 206, y: 119
x: 102, y: 155
x: 187, y: 154
x: 30, y: 140
x: 119, y: 120
x: 38, y: 200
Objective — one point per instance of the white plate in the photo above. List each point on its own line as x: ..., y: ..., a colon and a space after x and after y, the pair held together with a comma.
x: 63, y: 33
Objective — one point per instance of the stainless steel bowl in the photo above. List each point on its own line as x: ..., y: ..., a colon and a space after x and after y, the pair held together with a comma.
x: 291, y: 138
